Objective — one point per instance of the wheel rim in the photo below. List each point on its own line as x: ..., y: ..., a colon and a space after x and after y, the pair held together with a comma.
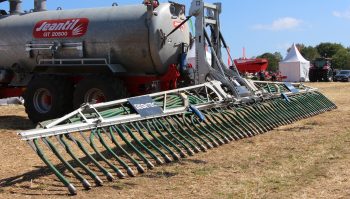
x: 42, y: 100
x: 94, y: 96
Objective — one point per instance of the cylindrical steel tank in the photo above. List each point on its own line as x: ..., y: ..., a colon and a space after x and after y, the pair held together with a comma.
x: 127, y: 35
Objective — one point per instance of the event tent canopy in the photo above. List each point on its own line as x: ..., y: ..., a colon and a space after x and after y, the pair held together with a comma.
x: 294, y: 66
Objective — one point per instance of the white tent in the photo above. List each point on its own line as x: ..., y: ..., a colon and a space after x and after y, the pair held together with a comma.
x: 295, y: 67
x: 191, y: 56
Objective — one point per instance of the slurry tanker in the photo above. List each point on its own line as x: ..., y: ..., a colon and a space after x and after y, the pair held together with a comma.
x: 64, y: 58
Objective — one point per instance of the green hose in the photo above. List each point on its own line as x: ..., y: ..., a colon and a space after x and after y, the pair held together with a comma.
x: 85, y: 183
x: 141, y: 155
x: 140, y: 169
x: 92, y: 174
x: 94, y: 161
x: 93, y: 146
x: 72, y: 190
x: 160, y: 152
x: 124, y: 165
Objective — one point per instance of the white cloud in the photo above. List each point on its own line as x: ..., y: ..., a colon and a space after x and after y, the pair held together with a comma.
x: 344, y: 14
x: 285, y: 23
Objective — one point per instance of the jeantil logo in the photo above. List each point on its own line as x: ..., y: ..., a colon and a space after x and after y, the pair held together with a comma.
x: 61, y: 28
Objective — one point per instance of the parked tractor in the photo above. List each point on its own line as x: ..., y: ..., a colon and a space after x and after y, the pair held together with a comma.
x: 321, y: 70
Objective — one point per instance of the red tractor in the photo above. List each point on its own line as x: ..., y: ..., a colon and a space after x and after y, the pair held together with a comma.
x: 321, y: 70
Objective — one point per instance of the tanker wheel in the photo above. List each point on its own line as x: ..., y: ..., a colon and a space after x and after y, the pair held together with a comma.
x: 98, y: 89
x: 48, y: 97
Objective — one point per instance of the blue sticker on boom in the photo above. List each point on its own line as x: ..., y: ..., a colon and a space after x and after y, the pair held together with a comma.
x: 145, y: 106
x: 291, y: 88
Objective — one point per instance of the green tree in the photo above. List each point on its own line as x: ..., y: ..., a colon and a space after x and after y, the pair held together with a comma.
x: 278, y: 56
x: 273, y: 58
x: 310, y: 53
x: 341, y: 59
x: 328, y: 49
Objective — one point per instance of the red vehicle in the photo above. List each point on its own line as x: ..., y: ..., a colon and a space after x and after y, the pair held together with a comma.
x: 321, y: 70
x: 251, y: 65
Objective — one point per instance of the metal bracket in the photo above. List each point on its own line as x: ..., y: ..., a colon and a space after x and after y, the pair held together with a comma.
x: 53, y: 47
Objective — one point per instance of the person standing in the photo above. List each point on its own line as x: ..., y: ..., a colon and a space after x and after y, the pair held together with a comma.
x: 262, y: 76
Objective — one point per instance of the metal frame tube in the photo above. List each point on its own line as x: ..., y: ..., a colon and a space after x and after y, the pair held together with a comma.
x: 15, y: 7
x: 39, y: 5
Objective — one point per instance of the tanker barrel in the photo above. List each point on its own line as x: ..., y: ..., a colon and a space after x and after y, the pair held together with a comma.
x: 15, y: 7
x: 139, y: 50
x: 39, y: 5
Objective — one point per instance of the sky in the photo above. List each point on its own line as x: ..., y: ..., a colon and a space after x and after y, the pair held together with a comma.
x: 259, y: 25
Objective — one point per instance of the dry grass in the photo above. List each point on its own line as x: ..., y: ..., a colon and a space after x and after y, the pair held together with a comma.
x: 308, y: 159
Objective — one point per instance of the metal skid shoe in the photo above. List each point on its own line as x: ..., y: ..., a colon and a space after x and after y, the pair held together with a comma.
x: 117, y: 138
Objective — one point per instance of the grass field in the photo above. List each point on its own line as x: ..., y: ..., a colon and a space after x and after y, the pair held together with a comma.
x: 308, y: 159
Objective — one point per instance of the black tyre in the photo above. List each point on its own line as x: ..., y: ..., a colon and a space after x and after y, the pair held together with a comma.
x: 319, y: 75
x: 312, y: 76
x: 98, y: 89
x: 48, y: 97
x: 327, y: 75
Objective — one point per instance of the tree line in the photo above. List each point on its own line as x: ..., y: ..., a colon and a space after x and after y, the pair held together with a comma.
x: 339, y: 54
